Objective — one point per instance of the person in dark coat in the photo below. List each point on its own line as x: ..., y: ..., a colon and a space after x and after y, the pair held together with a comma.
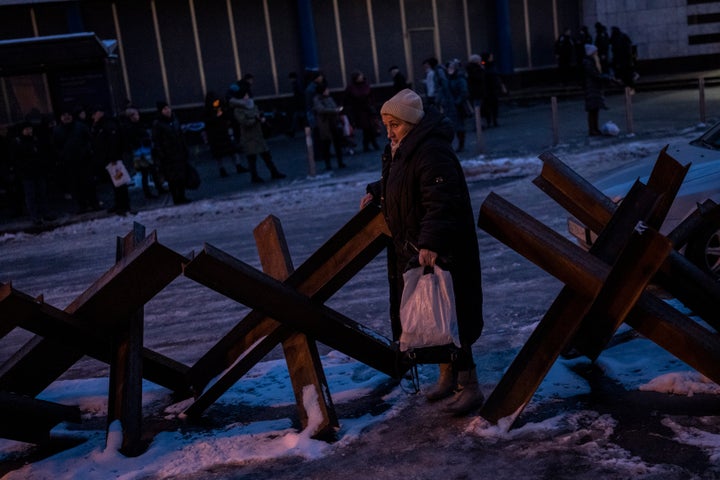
x: 217, y: 129
x: 475, y: 79
x: 171, y: 152
x: 458, y: 85
x: 296, y: 112
x: 32, y: 168
x: 476, y: 84
x: 622, y: 57
x: 594, y: 99
x: 360, y: 109
x: 108, y: 149
x: 602, y: 42
x: 327, y: 114
x: 71, y: 140
x: 494, y: 87
x: 314, y: 80
x: 427, y: 207
x: 565, y: 56
x: 9, y: 179
x: 582, y: 38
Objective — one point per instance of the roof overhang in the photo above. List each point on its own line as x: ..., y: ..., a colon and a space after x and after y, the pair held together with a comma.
x: 27, y: 55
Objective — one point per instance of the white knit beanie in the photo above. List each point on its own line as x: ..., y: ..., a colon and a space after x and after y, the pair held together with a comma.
x: 405, y: 105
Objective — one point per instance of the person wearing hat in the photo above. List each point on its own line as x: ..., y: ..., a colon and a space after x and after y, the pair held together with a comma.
x: 593, y: 88
x: 424, y: 198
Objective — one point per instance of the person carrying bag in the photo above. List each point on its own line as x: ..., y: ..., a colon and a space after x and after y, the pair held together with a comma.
x: 427, y: 310
x: 425, y: 201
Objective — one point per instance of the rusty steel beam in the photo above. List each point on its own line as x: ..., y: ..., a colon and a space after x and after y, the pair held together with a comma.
x: 109, y: 301
x: 321, y: 275
x: 242, y: 283
x: 697, y: 290
x: 590, y: 283
x: 301, y: 352
x: 30, y: 420
x: 56, y: 328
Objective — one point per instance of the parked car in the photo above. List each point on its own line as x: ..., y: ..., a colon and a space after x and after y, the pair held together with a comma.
x: 701, y: 183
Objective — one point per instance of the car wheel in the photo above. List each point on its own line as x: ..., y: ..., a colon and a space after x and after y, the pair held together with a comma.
x: 703, y: 249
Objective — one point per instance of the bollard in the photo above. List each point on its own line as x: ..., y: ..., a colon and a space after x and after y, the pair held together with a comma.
x: 628, y: 111
x: 310, y: 151
x: 555, y: 127
x: 701, y: 98
x: 480, y: 143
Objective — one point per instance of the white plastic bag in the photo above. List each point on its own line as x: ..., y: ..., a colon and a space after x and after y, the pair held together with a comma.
x: 609, y: 128
x: 118, y: 173
x: 427, y: 309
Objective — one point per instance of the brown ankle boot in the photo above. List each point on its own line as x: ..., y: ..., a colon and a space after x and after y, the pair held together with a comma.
x: 469, y: 397
x: 445, y: 386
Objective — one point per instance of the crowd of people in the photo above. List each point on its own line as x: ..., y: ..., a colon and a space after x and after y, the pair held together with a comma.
x: 616, y: 53
x: 67, y: 157
x: 43, y: 160
x: 595, y: 63
x: 456, y: 89
x: 87, y: 147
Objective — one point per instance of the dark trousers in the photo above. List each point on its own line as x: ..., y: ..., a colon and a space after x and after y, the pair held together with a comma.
x: 336, y: 143
x: 150, y: 172
x: 593, y: 121
x: 267, y: 159
x: 122, y: 199
x: 35, y: 197
x: 85, y: 191
x: 177, y: 190
x: 369, y: 135
x: 490, y: 109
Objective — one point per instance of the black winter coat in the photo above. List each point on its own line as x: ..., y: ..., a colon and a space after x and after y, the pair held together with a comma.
x: 72, y: 145
x: 359, y: 105
x: 217, y: 127
x: 28, y: 158
x: 426, y: 204
x: 107, y: 141
x: 593, y: 80
x: 476, y: 81
x: 169, y: 148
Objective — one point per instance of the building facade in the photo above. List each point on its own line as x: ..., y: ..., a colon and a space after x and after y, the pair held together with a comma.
x: 177, y: 50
